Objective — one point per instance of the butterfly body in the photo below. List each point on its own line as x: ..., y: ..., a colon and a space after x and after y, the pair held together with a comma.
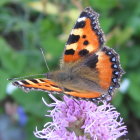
x: 75, y: 80
x: 88, y: 69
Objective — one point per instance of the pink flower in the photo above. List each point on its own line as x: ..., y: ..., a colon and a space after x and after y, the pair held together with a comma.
x: 82, y: 120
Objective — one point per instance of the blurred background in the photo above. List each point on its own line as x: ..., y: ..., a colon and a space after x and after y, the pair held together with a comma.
x: 26, y: 25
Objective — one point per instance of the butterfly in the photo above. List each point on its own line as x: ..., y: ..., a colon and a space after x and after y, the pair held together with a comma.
x: 88, y: 69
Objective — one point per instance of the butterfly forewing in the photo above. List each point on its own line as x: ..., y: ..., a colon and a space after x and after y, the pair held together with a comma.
x: 86, y: 37
x: 38, y: 84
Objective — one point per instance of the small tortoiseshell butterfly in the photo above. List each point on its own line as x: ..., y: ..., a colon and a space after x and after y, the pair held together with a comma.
x: 88, y: 69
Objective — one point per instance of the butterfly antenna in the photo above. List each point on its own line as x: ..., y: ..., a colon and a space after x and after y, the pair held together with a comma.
x: 13, y: 79
x: 44, y: 58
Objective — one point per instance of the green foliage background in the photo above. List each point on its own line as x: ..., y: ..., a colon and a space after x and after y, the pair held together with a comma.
x: 24, y: 28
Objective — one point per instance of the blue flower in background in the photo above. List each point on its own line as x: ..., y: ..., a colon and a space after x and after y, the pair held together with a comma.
x: 21, y: 116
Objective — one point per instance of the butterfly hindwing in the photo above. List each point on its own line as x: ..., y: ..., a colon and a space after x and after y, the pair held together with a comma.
x: 84, y: 95
x: 102, y: 68
x: 86, y: 37
x: 106, y: 63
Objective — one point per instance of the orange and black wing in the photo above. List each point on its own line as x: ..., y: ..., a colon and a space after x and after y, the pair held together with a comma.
x: 107, y: 65
x: 85, y: 38
x: 41, y: 84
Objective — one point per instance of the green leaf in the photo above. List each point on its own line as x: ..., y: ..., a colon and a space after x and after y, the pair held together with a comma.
x: 103, y: 4
x: 53, y: 55
x: 3, y: 83
x: 134, y: 88
x: 119, y: 36
x: 124, y: 57
x: 2, y: 2
x: 135, y: 107
x: 117, y: 99
x: 32, y: 102
x: 133, y: 54
x: 12, y: 61
x: 124, y: 111
x: 106, y: 24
